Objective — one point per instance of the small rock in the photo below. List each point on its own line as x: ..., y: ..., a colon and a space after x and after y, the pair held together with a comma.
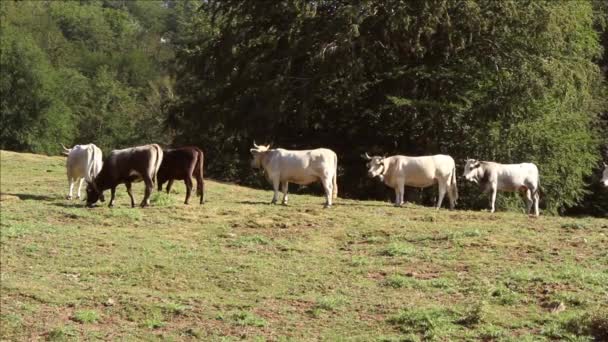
x: 109, y: 302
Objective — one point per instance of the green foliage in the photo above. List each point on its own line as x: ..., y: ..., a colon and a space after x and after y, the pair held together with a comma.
x: 79, y: 72
x: 510, y: 81
x: 33, y: 112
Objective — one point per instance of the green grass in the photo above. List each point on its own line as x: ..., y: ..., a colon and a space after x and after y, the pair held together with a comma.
x: 238, y: 268
x: 86, y: 316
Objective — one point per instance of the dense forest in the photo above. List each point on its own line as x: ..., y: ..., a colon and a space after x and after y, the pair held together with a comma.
x: 509, y: 81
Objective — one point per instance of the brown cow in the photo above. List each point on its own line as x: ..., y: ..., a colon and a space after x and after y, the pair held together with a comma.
x: 126, y: 166
x: 183, y: 163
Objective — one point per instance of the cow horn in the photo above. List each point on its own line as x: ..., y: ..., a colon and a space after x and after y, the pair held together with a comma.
x: 255, y: 145
x: 366, y: 156
x: 66, y: 151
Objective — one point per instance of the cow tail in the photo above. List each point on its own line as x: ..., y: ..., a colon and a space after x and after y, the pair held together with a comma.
x: 454, y: 187
x: 334, y: 192
x: 200, y: 184
x: 159, y: 160
x: 90, y: 175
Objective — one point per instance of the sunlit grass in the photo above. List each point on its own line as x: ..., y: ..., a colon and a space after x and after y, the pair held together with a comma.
x: 239, y: 268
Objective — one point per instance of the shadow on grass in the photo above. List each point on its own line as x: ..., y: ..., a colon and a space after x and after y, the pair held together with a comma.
x: 378, y: 205
x: 33, y: 197
x: 72, y: 204
x: 253, y: 202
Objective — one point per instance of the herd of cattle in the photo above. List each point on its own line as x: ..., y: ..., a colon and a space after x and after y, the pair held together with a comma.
x: 150, y: 164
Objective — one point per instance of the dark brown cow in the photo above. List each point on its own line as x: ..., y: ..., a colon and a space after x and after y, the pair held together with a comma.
x: 126, y: 166
x: 183, y: 163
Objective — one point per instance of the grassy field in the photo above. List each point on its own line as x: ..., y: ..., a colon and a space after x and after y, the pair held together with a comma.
x: 239, y: 268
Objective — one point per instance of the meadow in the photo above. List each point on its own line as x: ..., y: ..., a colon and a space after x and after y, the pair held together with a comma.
x: 238, y: 268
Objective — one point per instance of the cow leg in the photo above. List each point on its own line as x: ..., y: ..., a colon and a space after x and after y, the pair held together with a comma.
x: 128, y: 185
x: 275, y: 186
x: 188, y: 182
x: 328, y: 187
x: 451, y: 197
x: 80, y: 187
x: 112, y: 197
x: 169, y: 185
x: 527, y: 196
x: 149, y: 186
x: 397, y: 196
x: 442, y: 190
x: 493, y: 198
x: 200, y: 188
x: 71, y: 182
x: 285, y: 190
x: 399, y: 193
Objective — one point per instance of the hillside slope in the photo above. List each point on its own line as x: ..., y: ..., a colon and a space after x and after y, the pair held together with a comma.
x: 240, y: 268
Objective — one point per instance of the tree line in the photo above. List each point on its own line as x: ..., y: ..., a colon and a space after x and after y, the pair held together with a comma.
x: 509, y: 81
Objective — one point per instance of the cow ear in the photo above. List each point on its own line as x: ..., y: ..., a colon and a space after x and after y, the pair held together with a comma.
x: 605, y: 165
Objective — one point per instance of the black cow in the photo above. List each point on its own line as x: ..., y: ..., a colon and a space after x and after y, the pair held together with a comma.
x: 126, y: 166
x: 183, y: 163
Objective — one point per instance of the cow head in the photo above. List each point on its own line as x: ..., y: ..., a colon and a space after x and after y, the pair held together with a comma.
x: 605, y: 176
x: 472, y: 170
x: 375, y: 166
x: 93, y: 194
x: 257, y: 152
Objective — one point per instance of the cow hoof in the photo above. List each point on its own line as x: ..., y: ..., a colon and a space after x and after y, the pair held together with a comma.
x: 111, y: 206
x: 68, y: 197
x: 327, y: 206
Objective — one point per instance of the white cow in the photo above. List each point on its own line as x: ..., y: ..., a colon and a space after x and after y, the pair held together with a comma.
x: 301, y: 167
x: 605, y: 175
x: 84, y: 163
x: 420, y: 172
x: 505, y: 177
